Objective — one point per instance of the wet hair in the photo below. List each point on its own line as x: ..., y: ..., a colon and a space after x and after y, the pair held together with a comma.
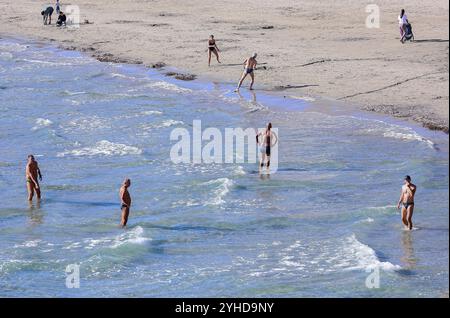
x: 408, y: 178
x: 402, y: 13
x: 254, y: 55
x: 30, y: 157
x: 211, y: 36
x: 269, y: 126
x: 127, y: 180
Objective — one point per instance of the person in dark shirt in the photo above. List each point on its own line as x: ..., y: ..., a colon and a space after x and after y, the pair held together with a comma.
x: 61, y: 19
x: 47, y: 15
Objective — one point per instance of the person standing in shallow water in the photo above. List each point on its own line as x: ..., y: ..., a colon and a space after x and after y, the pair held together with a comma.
x: 125, y: 200
x: 212, y: 49
x: 406, y: 202
x: 266, y: 140
x: 32, y: 172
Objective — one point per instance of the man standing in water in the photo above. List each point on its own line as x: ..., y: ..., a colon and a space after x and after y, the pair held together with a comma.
x: 47, y: 15
x: 125, y: 200
x: 32, y: 172
x: 407, y: 200
x: 250, y: 67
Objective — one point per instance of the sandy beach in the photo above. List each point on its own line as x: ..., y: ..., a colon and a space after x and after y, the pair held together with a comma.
x: 307, y: 48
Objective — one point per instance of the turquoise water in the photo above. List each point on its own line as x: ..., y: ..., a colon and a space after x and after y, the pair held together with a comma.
x: 313, y: 229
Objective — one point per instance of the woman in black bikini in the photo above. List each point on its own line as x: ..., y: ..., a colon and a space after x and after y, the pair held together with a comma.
x: 212, y: 48
x: 266, y: 141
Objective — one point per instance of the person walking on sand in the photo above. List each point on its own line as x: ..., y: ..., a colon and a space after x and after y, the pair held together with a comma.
x: 57, y: 7
x: 32, y: 172
x: 125, y: 200
x: 402, y: 22
x: 250, y: 67
x: 407, y: 201
x: 212, y: 49
x: 266, y: 140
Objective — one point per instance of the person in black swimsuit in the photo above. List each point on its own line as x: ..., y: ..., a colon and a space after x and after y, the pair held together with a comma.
x: 406, y: 202
x: 47, y: 15
x: 212, y: 49
x: 61, y: 19
x: 266, y: 141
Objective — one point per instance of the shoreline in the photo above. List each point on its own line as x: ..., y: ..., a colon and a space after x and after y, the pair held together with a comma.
x: 299, y: 52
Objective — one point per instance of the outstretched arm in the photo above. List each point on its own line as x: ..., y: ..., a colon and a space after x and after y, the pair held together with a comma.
x: 276, y: 139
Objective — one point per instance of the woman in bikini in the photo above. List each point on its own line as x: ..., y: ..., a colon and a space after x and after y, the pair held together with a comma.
x: 212, y: 49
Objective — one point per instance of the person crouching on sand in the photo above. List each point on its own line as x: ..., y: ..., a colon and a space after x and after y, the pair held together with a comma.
x: 212, y: 49
x: 32, y: 172
x: 407, y: 201
x: 250, y: 67
x: 125, y: 200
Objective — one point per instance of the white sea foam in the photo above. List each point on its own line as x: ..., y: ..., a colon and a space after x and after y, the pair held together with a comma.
x: 32, y: 243
x: 163, y: 124
x: 239, y: 170
x: 69, y: 93
x: 222, y: 187
x: 41, y: 123
x: 387, y: 130
x: 151, y: 112
x: 46, y: 62
x: 12, y: 47
x: 408, y: 135
x: 104, y: 148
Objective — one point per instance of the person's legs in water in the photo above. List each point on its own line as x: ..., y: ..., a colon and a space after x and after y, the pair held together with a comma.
x: 409, y: 215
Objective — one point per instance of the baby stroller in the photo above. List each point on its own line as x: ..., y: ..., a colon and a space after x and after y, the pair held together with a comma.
x: 408, y: 36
